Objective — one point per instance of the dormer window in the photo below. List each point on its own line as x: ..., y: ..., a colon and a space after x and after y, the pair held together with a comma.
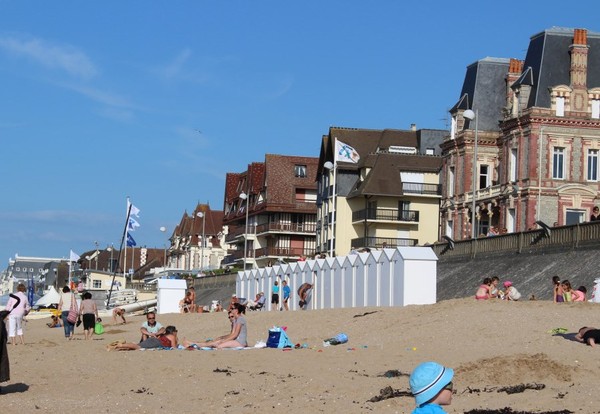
x: 300, y: 171
x: 560, y: 106
x: 596, y: 108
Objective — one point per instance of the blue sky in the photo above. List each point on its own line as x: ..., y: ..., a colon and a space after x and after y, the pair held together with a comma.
x: 158, y: 100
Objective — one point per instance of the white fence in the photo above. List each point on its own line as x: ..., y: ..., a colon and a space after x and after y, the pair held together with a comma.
x: 388, y: 277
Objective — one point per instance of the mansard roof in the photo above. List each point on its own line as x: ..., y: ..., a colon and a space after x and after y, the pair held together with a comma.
x: 550, y: 62
x: 484, y: 90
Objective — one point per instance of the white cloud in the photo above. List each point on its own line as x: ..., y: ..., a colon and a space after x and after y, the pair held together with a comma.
x: 64, y: 57
x: 174, y: 68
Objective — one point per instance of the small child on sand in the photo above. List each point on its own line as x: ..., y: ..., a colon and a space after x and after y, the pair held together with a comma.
x: 483, y: 291
x: 579, y: 295
x: 557, y: 290
x: 511, y: 292
x: 431, y: 385
x: 567, y: 291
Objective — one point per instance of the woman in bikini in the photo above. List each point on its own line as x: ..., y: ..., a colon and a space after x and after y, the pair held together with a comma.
x: 483, y: 292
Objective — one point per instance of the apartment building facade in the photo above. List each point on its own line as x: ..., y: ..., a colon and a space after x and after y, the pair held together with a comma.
x: 270, y: 210
x: 389, y: 197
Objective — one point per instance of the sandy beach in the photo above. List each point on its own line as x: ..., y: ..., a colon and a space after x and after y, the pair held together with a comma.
x: 490, y: 345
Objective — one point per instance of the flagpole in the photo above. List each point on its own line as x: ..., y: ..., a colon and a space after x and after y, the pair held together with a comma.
x: 333, y: 195
x: 114, y: 273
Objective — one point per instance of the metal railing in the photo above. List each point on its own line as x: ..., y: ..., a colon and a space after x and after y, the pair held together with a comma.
x: 310, y: 228
x: 380, y: 242
x: 285, y: 252
x: 385, y: 215
x: 571, y: 237
x: 421, y: 188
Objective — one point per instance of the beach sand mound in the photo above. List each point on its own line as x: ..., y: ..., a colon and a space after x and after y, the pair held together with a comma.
x: 512, y: 369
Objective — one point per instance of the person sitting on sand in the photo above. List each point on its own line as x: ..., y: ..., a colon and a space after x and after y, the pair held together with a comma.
x: 483, y: 291
x: 590, y: 336
x: 118, y: 313
x: 431, y: 385
x: 55, y: 323
x: 258, y: 303
x: 234, y: 300
x: 237, y: 338
x: 511, y: 292
x: 579, y: 295
x: 186, y: 304
x: 166, y: 340
x: 151, y: 328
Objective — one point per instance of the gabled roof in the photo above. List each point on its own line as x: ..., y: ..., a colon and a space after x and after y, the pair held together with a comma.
x: 384, y: 176
x: 365, y: 142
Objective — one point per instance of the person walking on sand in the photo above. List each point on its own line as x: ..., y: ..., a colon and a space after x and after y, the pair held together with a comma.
x: 66, y: 299
x: 89, y: 312
x: 275, y: 296
x: 19, y: 308
x: 286, y: 294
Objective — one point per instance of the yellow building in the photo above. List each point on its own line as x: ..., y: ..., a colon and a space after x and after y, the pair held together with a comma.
x: 378, y: 188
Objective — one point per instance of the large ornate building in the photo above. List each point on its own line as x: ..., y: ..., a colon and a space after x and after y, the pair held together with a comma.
x: 533, y: 127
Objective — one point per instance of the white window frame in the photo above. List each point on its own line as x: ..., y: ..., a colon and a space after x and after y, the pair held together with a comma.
x: 595, y: 108
x: 450, y: 188
x: 560, y: 106
x: 514, y: 160
x: 558, y: 157
x: 485, y: 175
x: 592, y: 165
x: 449, y: 228
x: 511, y: 220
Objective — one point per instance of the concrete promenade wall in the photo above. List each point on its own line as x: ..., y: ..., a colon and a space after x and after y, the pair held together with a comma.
x: 528, y: 259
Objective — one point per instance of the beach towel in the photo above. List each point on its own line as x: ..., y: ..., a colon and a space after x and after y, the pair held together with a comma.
x: 278, y: 338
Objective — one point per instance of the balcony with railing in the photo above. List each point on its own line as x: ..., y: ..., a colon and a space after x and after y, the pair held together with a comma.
x: 385, y: 214
x: 285, y: 252
x: 422, y: 189
x: 381, y: 242
x: 286, y: 227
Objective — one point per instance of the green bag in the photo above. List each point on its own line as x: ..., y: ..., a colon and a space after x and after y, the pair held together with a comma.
x: 98, y: 328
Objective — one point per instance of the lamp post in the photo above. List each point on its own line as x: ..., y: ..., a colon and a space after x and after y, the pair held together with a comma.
x: 203, y: 217
x: 97, y: 254
x: 244, y: 196
x: 164, y: 229
x: 470, y: 115
x: 111, y: 249
x: 331, y: 166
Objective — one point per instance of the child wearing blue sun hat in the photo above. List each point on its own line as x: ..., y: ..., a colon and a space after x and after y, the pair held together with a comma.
x: 431, y: 385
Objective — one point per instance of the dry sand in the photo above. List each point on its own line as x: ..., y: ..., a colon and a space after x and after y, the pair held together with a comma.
x: 489, y: 344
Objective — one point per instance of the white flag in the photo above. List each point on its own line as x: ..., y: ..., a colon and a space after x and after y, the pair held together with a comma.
x: 345, y: 153
x: 73, y: 257
x: 133, y: 224
x: 134, y: 210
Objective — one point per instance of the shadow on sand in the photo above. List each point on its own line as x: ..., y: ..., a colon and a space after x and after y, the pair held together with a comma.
x: 13, y: 388
x: 567, y: 336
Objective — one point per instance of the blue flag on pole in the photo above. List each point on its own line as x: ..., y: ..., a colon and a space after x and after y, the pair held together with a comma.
x: 130, y: 241
x: 30, y: 289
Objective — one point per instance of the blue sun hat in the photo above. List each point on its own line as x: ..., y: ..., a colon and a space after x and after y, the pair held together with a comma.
x: 428, y: 379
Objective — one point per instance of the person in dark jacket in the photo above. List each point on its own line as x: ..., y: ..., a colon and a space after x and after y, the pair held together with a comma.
x: 4, y: 366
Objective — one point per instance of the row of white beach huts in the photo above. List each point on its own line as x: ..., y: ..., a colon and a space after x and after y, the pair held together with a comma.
x: 387, y: 277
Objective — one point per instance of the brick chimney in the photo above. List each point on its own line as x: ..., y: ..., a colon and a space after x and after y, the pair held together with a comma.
x: 515, y: 67
x: 579, y: 64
